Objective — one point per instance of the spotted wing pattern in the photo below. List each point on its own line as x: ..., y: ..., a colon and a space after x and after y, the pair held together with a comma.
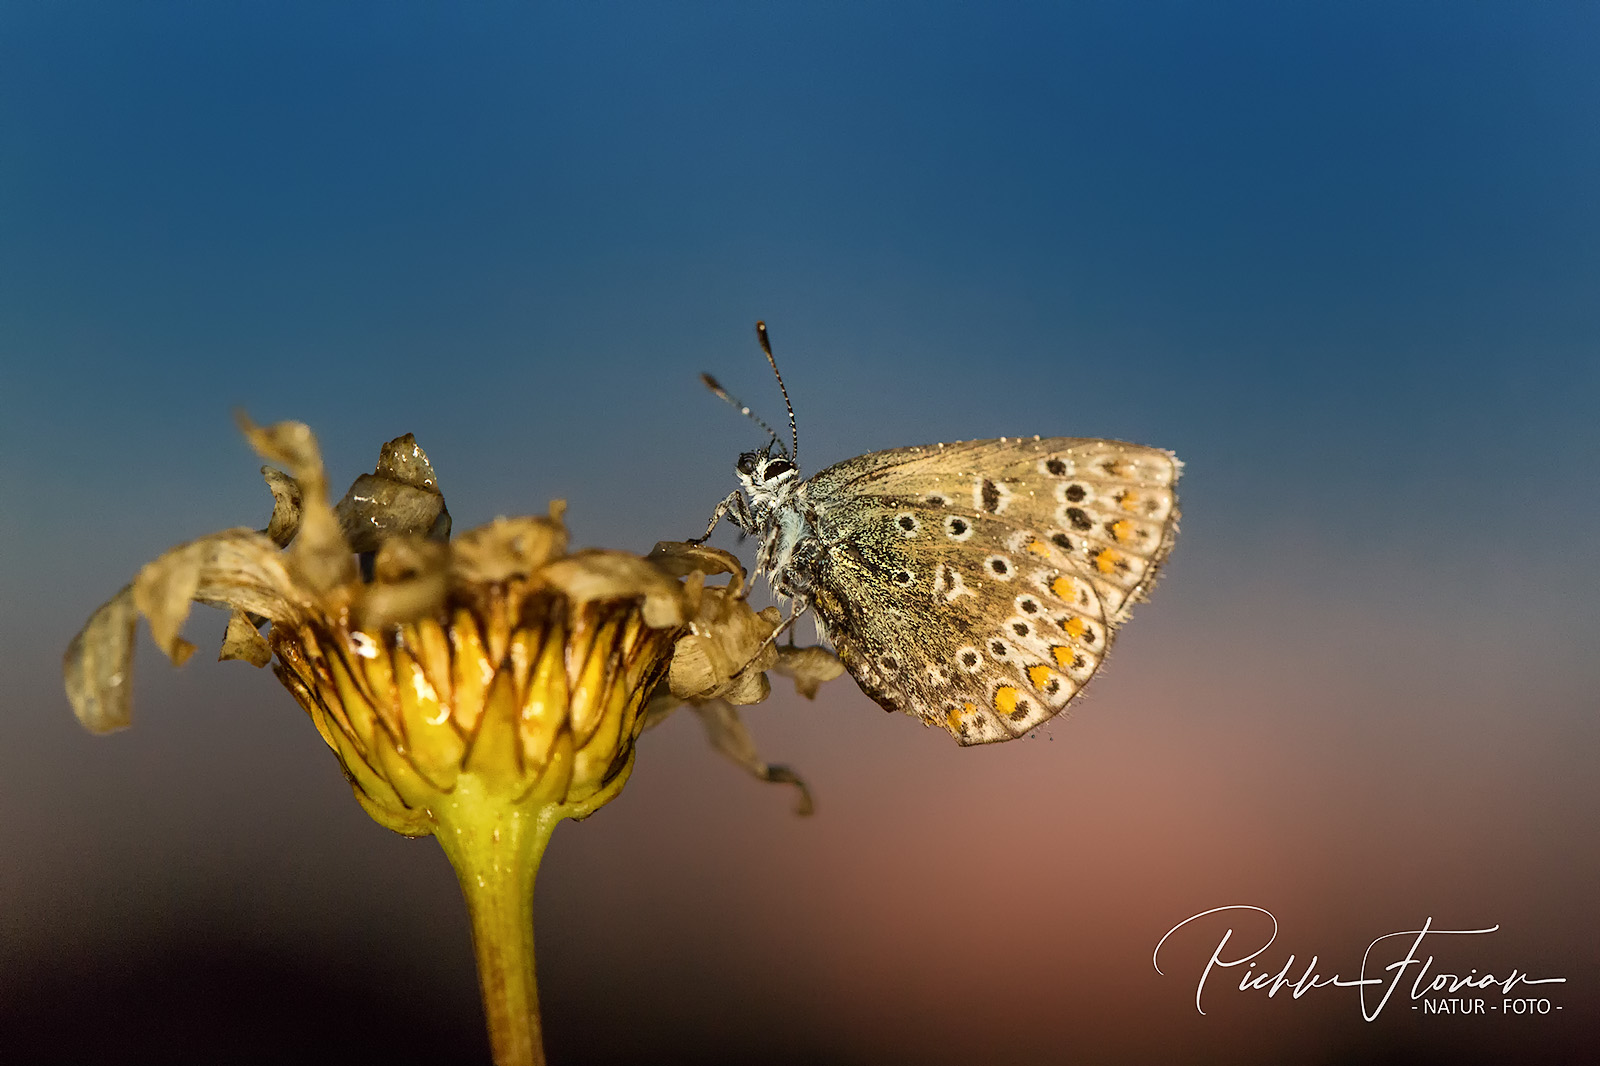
x: 978, y: 585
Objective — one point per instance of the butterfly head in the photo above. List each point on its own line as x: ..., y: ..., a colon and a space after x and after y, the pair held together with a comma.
x: 768, y: 479
x: 766, y: 476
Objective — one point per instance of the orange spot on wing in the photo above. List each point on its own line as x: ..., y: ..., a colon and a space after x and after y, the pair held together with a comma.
x: 1005, y: 699
x: 1064, y: 655
x: 1063, y: 587
x: 1106, y: 559
x: 956, y: 715
x: 1075, y: 628
x: 1039, y: 675
x: 1129, y: 501
x: 1122, y: 530
x: 1039, y: 547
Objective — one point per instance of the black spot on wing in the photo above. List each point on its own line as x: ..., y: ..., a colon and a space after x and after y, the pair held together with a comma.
x: 991, y: 495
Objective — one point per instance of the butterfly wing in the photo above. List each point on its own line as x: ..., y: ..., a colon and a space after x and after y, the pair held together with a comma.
x: 978, y: 585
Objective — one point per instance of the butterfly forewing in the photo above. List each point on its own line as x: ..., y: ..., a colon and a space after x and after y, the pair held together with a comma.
x: 977, y: 585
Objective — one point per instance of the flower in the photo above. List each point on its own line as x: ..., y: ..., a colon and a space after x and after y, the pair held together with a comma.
x: 479, y: 689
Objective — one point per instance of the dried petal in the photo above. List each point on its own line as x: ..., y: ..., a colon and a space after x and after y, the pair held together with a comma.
x: 285, y: 520
x: 403, y: 460
x: 595, y: 574
x: 808, y: 667
x: 401, y: 498
x: 726, y: 653
x: 243, y: 641
x: 410, y: 577
x: 729, y: 736
x: 320, y: 558
x: 659, y: 708
x: 376, y: 508
x: 682, y: 558
x: 98, y: 666
x: 507, y: 548
x: 235, y: 568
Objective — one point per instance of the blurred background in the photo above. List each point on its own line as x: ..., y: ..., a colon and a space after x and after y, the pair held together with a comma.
x: 1345, y: 261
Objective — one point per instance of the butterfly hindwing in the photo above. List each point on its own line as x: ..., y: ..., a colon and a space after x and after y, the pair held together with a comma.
x: 977, y: 585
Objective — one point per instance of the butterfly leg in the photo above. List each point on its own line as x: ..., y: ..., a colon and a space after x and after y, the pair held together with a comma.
x: 802, y: 605
x: 734, y: 508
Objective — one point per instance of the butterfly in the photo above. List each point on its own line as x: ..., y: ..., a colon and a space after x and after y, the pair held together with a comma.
x: 976, y: 585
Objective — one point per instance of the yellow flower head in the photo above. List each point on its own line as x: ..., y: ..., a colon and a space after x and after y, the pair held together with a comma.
x: 497, y: 654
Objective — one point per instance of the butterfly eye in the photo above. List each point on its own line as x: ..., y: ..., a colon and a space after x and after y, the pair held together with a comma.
x: 778, y: 466
x: 747, y: 463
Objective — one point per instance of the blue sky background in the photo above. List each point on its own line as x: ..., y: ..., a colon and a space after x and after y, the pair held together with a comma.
x: 1344, y: 261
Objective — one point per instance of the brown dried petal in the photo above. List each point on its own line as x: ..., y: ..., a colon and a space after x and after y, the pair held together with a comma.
x: 507, y: 548
x: 594, y: 574
x: 410, y: 578
x: 290, y: 444
x: 751, y: 685
x: 285, y: 520
x: 401, y: 498
x: 659, y: 708
x: 376, y: 508
x: 235, y: 568
x: 243, y: 641
x: 729, y: 736
x: 403, y: 460
x: 681, y: 558
x: 319, y: 558
x: 98, y: 665
x: 726, y: 653
x: 698, y: 671
x: 808, y: 667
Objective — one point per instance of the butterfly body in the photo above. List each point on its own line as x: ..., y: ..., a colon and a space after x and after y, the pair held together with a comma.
x: 976, y: 585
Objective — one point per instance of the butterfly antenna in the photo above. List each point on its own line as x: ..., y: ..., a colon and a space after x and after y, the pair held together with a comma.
x: 794, y: 432
x: 716, y: 387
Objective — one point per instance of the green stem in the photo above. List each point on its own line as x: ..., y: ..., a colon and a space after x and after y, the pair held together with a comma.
x: 495, y: 847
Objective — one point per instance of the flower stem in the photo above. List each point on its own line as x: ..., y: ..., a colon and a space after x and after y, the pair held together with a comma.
x: 495, y: 847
